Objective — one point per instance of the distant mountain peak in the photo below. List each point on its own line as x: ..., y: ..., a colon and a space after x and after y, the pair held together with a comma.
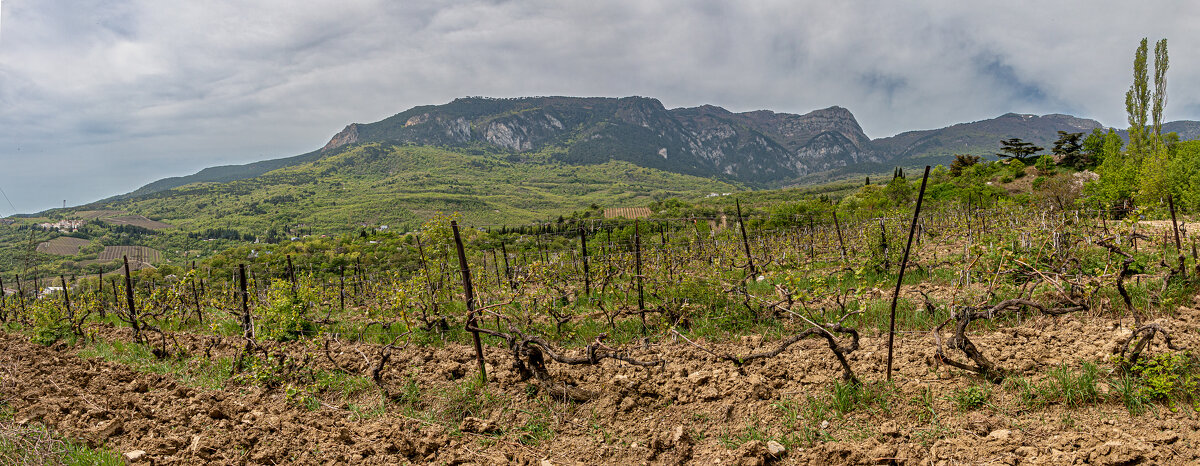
x: 759, y: 148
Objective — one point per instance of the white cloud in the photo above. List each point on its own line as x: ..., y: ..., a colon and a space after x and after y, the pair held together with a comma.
x: 132, y: 91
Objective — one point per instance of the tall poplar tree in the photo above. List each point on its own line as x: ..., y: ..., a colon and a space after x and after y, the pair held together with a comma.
x: 1154, y: 176
x: 1143, y: 168
x: 1160, y: 87
x: 1137, y: 102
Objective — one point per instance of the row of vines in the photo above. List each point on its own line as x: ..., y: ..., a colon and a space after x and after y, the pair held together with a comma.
x: 584, y: 293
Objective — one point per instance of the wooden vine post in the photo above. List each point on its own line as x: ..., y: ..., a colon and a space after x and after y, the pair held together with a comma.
x: 195, y: 293
x: 67, y: 299
x: 587, y: 279
x: 812, y: 242
x: 357, y: 278
x: 840, y: 243
x: 745, y: 241
x: 637, y: 255
x: 662, y: 253
x: 496, y: 266
x: 1195, y: 257
x: 433, y: 302
x: 1178, y: 244
x: 512, y: 283
x: 99, y: 292
x: 116, y: 298
x: 342, y: 287
x: 247, y: 324
x: 20, y: 296
x: 133, y: 320
x: 470, y: 297
x: 900, y: 280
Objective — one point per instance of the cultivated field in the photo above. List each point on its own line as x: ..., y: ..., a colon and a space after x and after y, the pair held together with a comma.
x: 627, y: 212
x: 137, y: 221
x: 1022, y: 336
x: 62, y: 246
x: 139, y: 253
x: 95, y: 214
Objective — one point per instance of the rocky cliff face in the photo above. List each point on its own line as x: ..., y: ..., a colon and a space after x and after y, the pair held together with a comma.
x: 754, y: 147
x: 759, y: 148
x: 346, y: 136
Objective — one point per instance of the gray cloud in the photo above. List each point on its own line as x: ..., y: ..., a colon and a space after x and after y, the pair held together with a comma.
x: 98, y: 97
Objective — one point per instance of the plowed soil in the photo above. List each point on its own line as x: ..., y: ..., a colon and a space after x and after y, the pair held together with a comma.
x: 695, y: 409
x: 62, y: 246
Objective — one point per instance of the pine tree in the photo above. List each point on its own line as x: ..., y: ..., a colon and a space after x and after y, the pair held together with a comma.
x: 1015, y: 148
x: 1068, y: 148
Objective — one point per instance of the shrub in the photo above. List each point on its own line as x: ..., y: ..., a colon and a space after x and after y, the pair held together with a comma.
x: 50, y: 321
x: 1168, y: 377
x: 1045, y: 165
x: 286, y: 314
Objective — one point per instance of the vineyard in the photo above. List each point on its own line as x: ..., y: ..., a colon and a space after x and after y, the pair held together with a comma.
x: 978, y: 332
x: 62, y: 246
x: 137, y: 253
x: 137, y: 221
x: 627, y: 212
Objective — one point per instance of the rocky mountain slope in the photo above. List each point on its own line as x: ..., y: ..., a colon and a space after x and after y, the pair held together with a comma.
x: 759, y: 148
x: 756, y: 147
x: 980, y: 137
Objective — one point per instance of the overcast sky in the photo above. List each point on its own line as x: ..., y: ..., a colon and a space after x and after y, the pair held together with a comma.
x: 100, y: 97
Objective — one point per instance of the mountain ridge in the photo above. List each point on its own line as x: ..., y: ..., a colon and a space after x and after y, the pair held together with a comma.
x: 761, y: 148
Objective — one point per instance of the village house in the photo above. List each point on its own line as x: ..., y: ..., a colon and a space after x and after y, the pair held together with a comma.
x: 62, y: 225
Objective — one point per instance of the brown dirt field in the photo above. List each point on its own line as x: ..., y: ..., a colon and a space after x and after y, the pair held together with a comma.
x: 676, y: 414
x: 627, y: 212
x: 62, y: 246
x: 140, y: 253
x: 95, y: 214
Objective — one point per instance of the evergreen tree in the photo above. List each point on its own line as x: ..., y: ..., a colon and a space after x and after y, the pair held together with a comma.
x: 961, y: 162
x: 1015, y: 148
x: 1068, y: 149
x: 1093, y: 145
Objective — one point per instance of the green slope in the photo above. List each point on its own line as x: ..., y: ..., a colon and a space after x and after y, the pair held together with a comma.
x: 220, y: 174
x: 381, y: 183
